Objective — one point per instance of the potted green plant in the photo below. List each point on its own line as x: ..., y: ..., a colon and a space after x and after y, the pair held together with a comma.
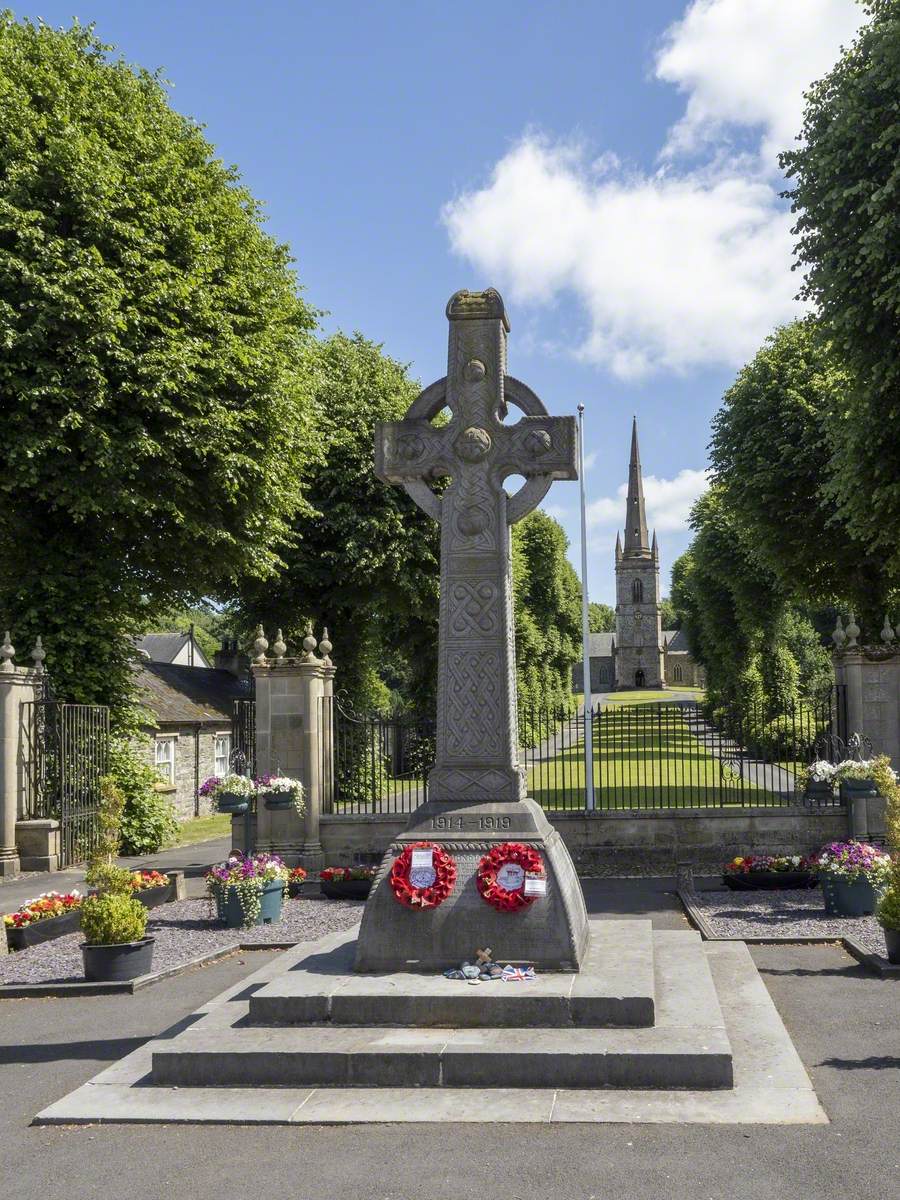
x: 229, y: 793
x: 247, y: 889
x: 346, y: 883
x: 115, y: 946
x: 852, y: 875
x: 296, y: 880
x: 888, y: 914
x: 280, y: 791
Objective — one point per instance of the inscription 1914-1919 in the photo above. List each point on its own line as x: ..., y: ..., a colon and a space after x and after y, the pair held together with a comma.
x: 470, y: 824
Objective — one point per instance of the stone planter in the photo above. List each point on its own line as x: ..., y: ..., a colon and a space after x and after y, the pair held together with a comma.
x: 230, y: 910
x: 892, y: 941
x: 346, y: 889
x: 768, y: 881
x: 43, y: 931
x: 232, y: 802
x: 117, y: 963
x: 843, y: 899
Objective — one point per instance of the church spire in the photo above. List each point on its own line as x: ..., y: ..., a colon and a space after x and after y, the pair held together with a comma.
x: 636, y: 539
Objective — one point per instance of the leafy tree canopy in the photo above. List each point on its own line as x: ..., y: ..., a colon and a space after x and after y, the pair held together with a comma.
x: 601, y: 618
x: 153, y: 371
x: 668, y: 614
x: 846, y: 178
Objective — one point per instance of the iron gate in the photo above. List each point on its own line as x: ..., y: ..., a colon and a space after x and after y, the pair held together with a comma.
x: 66, y: 756
x: 243, y: 736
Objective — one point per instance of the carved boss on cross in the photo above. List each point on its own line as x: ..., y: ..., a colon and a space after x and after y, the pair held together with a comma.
x: 475, y: 443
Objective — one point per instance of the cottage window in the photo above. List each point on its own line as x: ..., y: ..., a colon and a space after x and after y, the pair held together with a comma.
x: 222, y: 754
x: 165, y: 760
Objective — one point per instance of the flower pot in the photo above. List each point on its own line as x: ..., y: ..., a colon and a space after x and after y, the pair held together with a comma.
x: 853, y: 788
x: 892, y: 941
x: 230, y: 909
x: 770, y: 880
x: 346, y: 889
x: 232, y: 802
x: 152, y: 897
x: 296, y: 889
x: 818, y: 795
x: 43, y: 931
x: 279, y: 800
x: 846, y: 899
x: 117, y: 963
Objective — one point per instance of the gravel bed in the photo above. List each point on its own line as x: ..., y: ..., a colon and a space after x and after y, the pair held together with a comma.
x: 785, y: 914
x: 184, y: 931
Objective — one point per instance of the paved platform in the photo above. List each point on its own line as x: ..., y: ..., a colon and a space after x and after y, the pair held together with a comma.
x: 615, y: 987
x: 768, y: 1082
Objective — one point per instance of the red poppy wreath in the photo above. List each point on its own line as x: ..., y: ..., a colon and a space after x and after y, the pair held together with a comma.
x: 419, y: 882
x: 502, y: 876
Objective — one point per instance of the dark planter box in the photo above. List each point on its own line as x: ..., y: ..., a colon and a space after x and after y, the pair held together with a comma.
x: 818, y: 795
x: 851, y: 788
x: 892, y: 941
x: 848, y: 899
x: 117, y: 963
x: 296, y: 889
x: 346, y: 889
x: 152, y: 897
x: 43, y: 931
x: 234, y: 804
x: 230, y: 910
x: 770, y: 881
x: 279, y: 802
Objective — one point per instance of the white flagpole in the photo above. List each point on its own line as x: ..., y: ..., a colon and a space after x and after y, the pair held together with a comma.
x: 585, y: 632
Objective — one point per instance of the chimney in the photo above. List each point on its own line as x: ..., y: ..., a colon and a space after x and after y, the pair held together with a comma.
x: 229, y: 658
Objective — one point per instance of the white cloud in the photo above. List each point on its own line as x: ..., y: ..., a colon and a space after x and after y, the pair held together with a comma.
x: 689, y: 265
x: 747, y: 63
x: 668, y: 502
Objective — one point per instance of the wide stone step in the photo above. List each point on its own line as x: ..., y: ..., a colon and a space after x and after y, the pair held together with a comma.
x: 487, y: 1058
x: 615, y: 987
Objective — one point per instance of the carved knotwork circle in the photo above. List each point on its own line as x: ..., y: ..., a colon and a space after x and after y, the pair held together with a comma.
x: 474, y: 370
x: 472, y: 521
x: 538, y: 442
x: 473, y: 444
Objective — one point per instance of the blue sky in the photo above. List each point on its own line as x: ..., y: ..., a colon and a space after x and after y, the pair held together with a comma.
x: 610, y: 167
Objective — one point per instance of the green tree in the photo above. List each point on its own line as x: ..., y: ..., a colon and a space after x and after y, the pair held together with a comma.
x: 211, y: 625
x: 601, y: 618
x: 547, y: 602
x: 846, y: 175
x: 772, y: 463
x: 364, y: 558
x: 668, y: 614
x: 153, y: 368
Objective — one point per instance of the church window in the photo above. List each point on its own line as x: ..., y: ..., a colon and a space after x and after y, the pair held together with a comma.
x: 637, y: 591
x: 677, y: 674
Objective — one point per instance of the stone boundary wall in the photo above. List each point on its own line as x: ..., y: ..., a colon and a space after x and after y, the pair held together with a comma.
x: 665, y: 837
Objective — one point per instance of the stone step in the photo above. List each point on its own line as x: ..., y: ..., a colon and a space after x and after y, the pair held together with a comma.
x: 615, y: 987
x: 341, y: 1056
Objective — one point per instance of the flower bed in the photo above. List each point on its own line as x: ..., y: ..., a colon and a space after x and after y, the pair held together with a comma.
x: 749, y: 872
x: 347, y: 883
x: 48, y: 916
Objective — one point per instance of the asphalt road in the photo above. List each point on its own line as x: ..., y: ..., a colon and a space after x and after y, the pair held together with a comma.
x: 845, y: 1022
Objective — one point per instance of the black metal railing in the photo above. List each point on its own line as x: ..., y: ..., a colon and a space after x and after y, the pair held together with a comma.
x: 243, y: 736
x: 66, y: 749
x: 381, y: 763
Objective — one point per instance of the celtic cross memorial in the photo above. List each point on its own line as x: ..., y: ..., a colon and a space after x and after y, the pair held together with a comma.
x: 476, y: 790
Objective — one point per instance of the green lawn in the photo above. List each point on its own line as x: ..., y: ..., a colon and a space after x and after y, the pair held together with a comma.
x: 202, y: 829
x: 642, y: 760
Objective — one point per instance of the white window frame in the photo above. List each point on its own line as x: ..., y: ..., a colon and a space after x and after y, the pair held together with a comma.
x: 226, y: 738
x: 165, y: 766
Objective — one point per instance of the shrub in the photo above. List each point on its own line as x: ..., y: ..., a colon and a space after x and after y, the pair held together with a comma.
x: 111, y: 919
x: 148, y: 818
x: 888, y: 911
x: 107, y: 877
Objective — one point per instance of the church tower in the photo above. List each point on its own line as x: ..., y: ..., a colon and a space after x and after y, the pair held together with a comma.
x: 639, y: 652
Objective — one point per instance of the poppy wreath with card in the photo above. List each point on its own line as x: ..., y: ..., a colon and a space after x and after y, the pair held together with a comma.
x: 413, y: 895
x: 501, y: 876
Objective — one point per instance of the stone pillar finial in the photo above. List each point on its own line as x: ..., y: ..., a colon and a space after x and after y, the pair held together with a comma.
x: 853, y: 632
x: 887, y: 633
x: 38, y: 655
x: 7, y: 650
x: 278, y: 647
x: 309, y: 643
x: 325, y: 646
x: 260, y: 645
x: 839, y: 637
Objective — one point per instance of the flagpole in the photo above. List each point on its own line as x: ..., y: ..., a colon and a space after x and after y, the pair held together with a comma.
x: 585, y: 633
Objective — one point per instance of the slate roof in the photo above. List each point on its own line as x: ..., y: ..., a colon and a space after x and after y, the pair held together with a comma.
x: 163, y: 647
x: 184, y: 695
x: 676, y: 641
x: 601, y: 644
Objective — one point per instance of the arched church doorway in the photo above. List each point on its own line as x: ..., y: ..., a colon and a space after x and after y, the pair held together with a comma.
x: 639, y: 678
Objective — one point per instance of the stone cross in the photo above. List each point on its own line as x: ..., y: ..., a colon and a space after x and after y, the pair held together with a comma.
x: 477, y: 736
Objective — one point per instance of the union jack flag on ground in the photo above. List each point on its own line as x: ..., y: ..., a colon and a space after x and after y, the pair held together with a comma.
x: 517, y: 974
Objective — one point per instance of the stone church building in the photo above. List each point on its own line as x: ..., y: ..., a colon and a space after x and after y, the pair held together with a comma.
x: 640, y: 654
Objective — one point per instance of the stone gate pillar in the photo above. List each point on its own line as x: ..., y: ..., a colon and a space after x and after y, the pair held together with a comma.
x: 17, y: 688
x: 293, y: 738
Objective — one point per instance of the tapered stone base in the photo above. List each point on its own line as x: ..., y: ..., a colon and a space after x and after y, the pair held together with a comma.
x: 552, y: 933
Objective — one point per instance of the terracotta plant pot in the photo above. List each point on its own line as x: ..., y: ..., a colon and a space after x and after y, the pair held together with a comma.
x: 117, y: 963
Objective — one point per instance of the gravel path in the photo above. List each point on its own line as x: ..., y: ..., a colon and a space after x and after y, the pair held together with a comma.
x: 784, y: 915
x: 184, y: 931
